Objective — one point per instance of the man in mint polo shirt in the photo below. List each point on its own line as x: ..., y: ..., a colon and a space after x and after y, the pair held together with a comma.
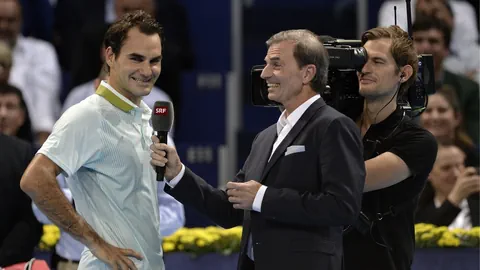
x: 102, y: 145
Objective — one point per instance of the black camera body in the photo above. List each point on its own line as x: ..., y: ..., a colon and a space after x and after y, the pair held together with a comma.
x: 346, y: 58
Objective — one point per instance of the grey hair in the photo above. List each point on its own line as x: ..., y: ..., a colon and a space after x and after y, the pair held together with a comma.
x: 308, y: 50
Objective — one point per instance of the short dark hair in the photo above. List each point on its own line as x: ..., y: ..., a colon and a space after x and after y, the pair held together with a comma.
x: 425, y: 23
x: 25, y: 131
x: 308, y: 50
x: 402, y: 50
x: 117, y: 33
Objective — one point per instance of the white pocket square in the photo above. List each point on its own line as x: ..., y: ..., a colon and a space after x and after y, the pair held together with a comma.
x: 295, y: 149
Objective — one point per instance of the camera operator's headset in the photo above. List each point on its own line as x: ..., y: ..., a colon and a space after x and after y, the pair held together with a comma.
x: 402, y: 80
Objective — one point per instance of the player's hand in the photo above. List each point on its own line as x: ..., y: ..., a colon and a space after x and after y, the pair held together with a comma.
x: 116, y: 258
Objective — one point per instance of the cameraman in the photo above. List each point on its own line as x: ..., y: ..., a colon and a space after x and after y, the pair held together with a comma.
x: 398, y: 156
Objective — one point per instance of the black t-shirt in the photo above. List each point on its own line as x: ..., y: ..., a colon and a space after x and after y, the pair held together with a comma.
x: 417, y: 147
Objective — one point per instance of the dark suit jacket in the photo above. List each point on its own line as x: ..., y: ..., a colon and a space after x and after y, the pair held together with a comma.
x: 20, y: 231
x: 311, y: 195
x: 445, y: 214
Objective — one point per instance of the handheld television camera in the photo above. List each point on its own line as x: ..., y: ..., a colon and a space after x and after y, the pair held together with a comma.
x: 346, y: 57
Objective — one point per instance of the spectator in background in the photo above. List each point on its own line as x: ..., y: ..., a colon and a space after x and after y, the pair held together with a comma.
x: 432, y: 36
x: 14, y: 118
x: 20, y: 231
x: 463, y: 58
x: 459, y: 15
x: 443, y: 119
x: 451, y: 195
x: 35, y: 70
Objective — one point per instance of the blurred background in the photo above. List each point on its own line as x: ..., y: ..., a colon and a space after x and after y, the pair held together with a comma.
x: 54, y: 54
x: 51, y: 56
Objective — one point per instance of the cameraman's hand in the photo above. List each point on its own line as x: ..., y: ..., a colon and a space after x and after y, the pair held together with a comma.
x: 163, y: 154
x: 116, y: 258
x: 467, y: 183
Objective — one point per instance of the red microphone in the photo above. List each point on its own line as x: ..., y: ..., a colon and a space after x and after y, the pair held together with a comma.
x: 162, y: 122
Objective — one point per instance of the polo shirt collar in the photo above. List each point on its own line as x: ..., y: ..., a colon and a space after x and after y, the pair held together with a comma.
x: 115, y: 98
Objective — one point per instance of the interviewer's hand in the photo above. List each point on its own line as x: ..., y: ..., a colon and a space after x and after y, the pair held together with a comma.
x: 242, y: 195
x: 116, y: 258
x: 163, y: 154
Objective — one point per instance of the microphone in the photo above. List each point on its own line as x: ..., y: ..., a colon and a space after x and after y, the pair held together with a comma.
x: 162, y: 121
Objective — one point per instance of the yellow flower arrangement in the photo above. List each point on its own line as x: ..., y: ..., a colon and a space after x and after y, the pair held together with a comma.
x: 212, y: 239
x: 204, y: 240
x: 50, y: 237
x: 430, y: 236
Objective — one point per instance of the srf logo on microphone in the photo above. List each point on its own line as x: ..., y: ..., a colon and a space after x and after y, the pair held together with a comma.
x: 161, y: 110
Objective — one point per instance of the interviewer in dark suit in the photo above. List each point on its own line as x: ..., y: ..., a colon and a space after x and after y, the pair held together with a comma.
x: 304, y: 177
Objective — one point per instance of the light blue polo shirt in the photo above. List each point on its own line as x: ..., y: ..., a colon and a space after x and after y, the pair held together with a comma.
x: 102, y: 145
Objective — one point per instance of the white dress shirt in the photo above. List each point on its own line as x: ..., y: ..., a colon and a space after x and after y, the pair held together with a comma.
x: 462, y: 221
x: 36, y: 72
x: 284, y: 125
x: 110, y: 14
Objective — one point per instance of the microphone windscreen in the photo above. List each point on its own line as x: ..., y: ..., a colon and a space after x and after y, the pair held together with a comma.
x: 162, y: 116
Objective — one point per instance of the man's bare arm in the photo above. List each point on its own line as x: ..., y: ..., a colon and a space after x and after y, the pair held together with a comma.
x: 39, y: 182
x: 385, y: 170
